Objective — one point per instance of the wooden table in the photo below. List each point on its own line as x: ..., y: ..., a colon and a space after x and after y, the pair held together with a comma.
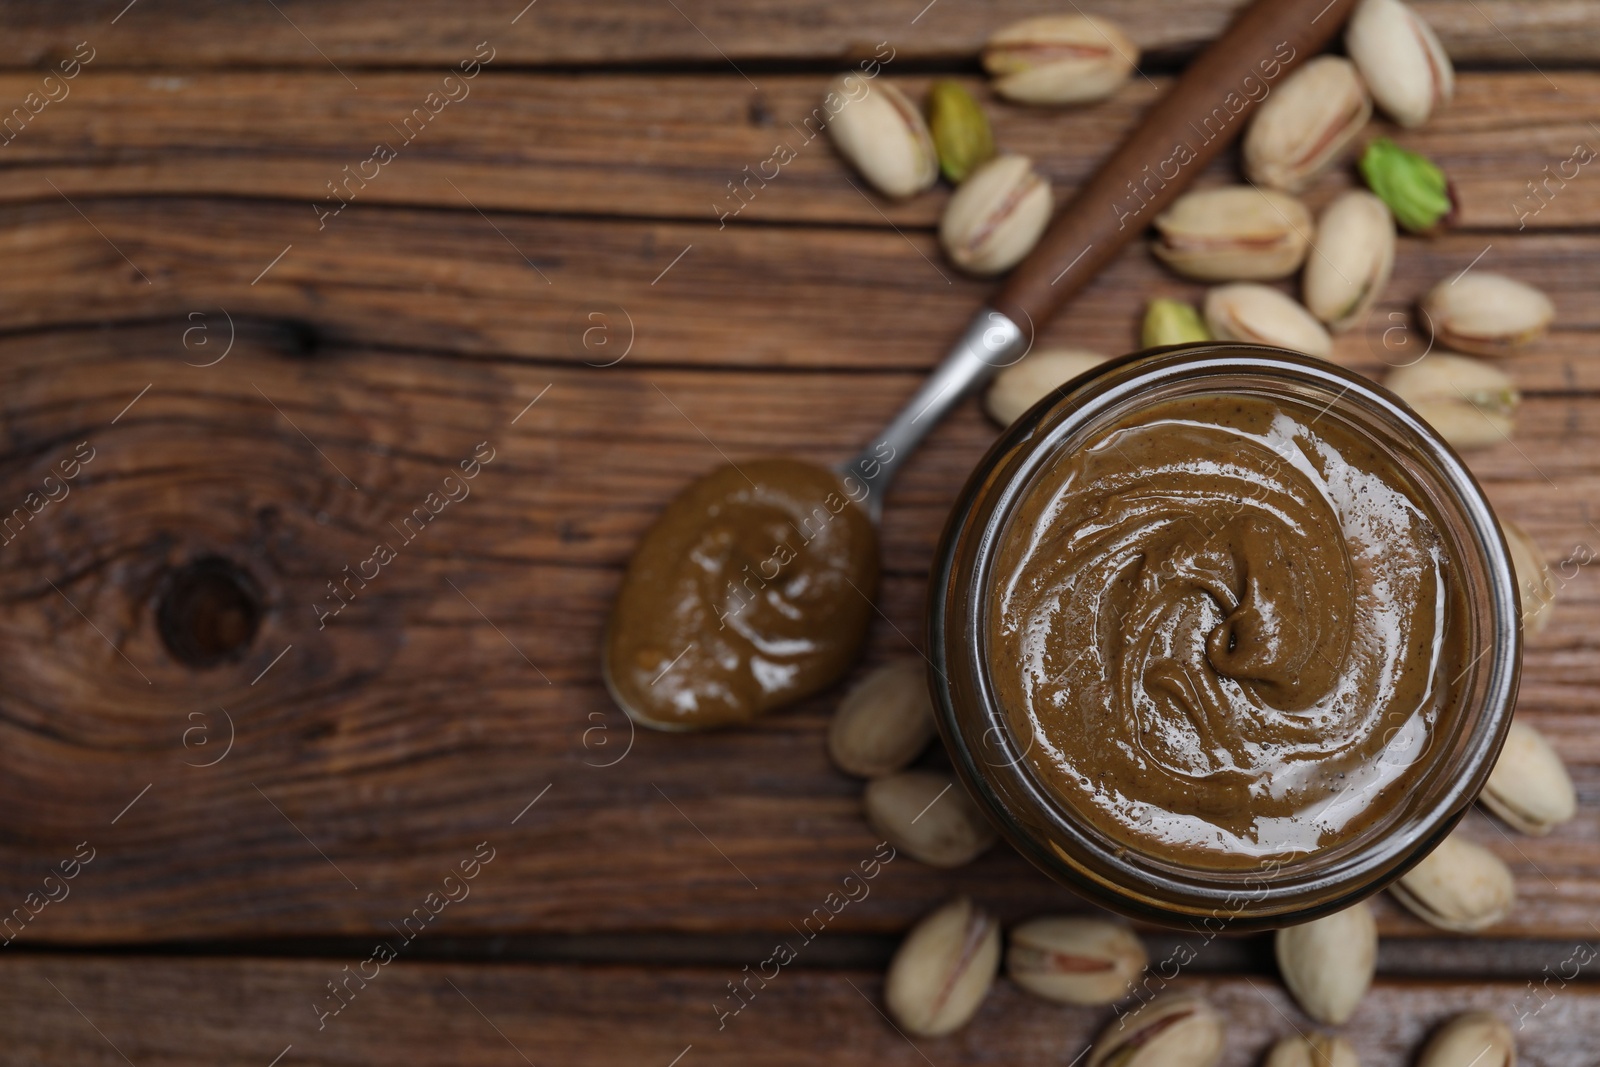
x: 539, y: 275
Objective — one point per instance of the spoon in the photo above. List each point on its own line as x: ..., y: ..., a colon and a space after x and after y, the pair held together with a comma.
x: 754, y: 588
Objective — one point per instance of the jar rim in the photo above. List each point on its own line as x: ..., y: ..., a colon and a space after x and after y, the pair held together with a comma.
x: 1108, y: 870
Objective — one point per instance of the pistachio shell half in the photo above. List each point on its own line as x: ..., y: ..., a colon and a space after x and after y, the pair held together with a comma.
x: 1535, y: 585
x: 1075, y: 960
x: 1180, y: 1031
x: 1460, y: 886
x: 1328, y: 963
x: 1022, y: 385
x: 1529, y: 787
x: 1256, y: 314
x: 1487, y: 314
x: 996, y: 216
x: 1351, y: 259
x: 1470, y: 403
x: 1473, y: 1039
x: 1312, y: 1050
x: 884, y: 722
x: 1305, y: 124
x: 943, y: 969
x: 1060, y: 59
x: 928, y: 816
x: 1234, y: 233
x: 1405, y: 66
x: 883, y: 136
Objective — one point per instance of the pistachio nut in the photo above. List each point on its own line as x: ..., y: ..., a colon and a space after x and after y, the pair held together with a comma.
x: 943, y: 969
x: 1487, y: 314
x: 883, y: 136
x: 1306, y: 123
x: 1470, y: 403
x: 1328, y: 963
x: 1180, y: 1031
x: 1235, y: 233
x: 1312, y: 1050
x: 884, y: 722
x: 1460, y: 887
x: 1351, y: 258
x: 1023, y: 384
x: 1060, y: 59
x: 1259, y: 315
x: 1172, y: 322
x: 1535, y: 586
x: 1472, y: 1039
x: 1405, y: 66
x: 1075, y: 960
x: 928, y: 816
x: 996, y: 216
x: 1529, y: 787
x: 960, y: 129
x: 1415, y: 189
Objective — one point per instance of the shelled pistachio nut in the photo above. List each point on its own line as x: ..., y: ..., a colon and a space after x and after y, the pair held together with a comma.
x: 883, y: 136
x: 1075, y: 960
x: 1406, y: 68
x: 1172, y: 322
x: 1529, y: 787
x: 884, y: 722
x: 996, y: 216
x: 928, y: 816
x: 1416, y: 190
x: 1460, y: 887
x: 1060, y: 59
x: 1180, y: 1031
x: 1470, y: 403
x: 1022, y: 385
x: 1312, y: 1050
x: 1536, y: 587
x: 1235, y: 233
x: 1328, y: 963
x: 1259, y: 315
x: 1472, y: 1039
x: 1487, y: 314
x: 943, y: 969
x: 960, y: 129
x: 1350, y: 261
x: 1306, y: 123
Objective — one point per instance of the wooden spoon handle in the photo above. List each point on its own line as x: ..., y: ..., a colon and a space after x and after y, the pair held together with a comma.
x: 1204, y: 111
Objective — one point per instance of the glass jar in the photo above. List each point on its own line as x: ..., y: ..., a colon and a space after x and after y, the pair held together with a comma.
x: 1281, y: 890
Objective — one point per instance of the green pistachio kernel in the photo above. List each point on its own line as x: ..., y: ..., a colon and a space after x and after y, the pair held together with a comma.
x: 1414, y: 188
x: 960, y: 130
x: 1172, y: 322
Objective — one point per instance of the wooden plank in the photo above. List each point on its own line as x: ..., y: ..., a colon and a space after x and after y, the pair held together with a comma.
x: 173, y: 1012
x: 697, y: 148
x: 444, y: 699
x: 354, y: 33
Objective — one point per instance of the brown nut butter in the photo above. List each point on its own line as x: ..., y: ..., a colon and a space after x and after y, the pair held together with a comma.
x: 1226, y: 628
x: 752, y: 590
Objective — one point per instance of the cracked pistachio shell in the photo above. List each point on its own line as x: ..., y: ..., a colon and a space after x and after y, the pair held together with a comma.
x: 884, y: 722
x: 1172, y: 322
x: 1060, y: 59
x: 1473, y: 1039
x: 1305, y: 123
x: 1529, y: 787
x: 1312, y: 1050
x: 943, y: 969
x: 1234, y: 233
x: 1259, y: 315
x: 1350, y: 261
x: 1405, y: 66
x: 1469, y: 403
x: 1023, y: 384
x: 928, y: 816
x: 960, y: 130
x: 996, y: 216
x: 1535, y: 585
x: 1075, y: 960
x: 1180, y: 1031
x: 1460, y: 887
x: 1487, y: 314
x: 1328, y: 963
x: 882, y: 134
